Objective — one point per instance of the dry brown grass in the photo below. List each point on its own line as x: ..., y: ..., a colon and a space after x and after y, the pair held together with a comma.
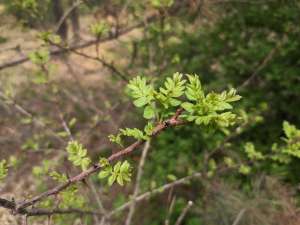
x: 269, y: 203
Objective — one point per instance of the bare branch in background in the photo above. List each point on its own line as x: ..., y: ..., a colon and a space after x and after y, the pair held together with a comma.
x: 184, y: 212
x: 239, y: 217
x: 137, y: 183
x: 23, y: 111
x: 171, y: 207
x: 67, y: 13
x: 43, y: 212
x: 261, y: 66
x: 155, y: 191
x: 111, y: 36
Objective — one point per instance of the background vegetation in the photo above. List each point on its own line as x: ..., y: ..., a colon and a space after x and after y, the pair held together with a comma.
x: 65, y: 66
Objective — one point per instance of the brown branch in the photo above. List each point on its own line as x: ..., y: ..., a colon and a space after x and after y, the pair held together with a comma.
x: 146, y: 195
x: 96, y: 58
x: 173, y: 121
x: 44, y: 212
x: 110, y: 37
x: 10, y: 101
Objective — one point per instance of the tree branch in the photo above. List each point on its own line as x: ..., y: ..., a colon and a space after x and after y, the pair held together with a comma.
x: 96, y: 58
x: 184, y: 212
x: 110, y: 37
x: 44, y: 212
x: 67, y: 13
x: 47, y: 212
x: 137, y: 183
x: 173, y: 121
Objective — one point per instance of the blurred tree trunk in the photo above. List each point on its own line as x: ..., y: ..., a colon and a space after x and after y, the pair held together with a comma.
x: 75, y: 21
x: 58, y: 13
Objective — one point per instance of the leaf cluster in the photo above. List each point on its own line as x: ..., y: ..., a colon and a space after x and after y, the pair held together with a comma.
x: 187, y: 92
x: 291, y: 147
x: 99, y: 28
x: 39, y: 57
x: 120, y: 172
x: 213, y: 108
x: 77, y: 154
x: 132, y: 132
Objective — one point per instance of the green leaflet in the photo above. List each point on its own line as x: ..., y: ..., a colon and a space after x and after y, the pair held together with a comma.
x: 3, y: 169
x: 252, y: 153
x: 78, y: 155
x: 172, y: 90
x: 142, y: 93
x: 210, y: 109
x: 129, y: 132
x: 120, y: 172
x: 149, y: 112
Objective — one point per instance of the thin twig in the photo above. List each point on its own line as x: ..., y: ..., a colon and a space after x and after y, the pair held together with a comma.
x: 66, y: 127
x: 98, y: 200
x: 261, y: 66
x: 66, y: 14
x: 40, y: 212
x: 137, y: 183
x: 158, y: 190
x: 184, y: 212
x: 96, y: 58
x: 239, y: 217
x: 111, y: 36
x: 171, y: 207
x: 23, y: 111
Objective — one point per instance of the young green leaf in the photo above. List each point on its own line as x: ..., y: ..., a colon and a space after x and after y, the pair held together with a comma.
x: 149, y: 112
x: 194, y: 90
x: 3, y: 169
x: 104, y: 173
x: 133, y: 132
x: 172, y: 90
x: 77, y: 155
x: 140, y: 91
